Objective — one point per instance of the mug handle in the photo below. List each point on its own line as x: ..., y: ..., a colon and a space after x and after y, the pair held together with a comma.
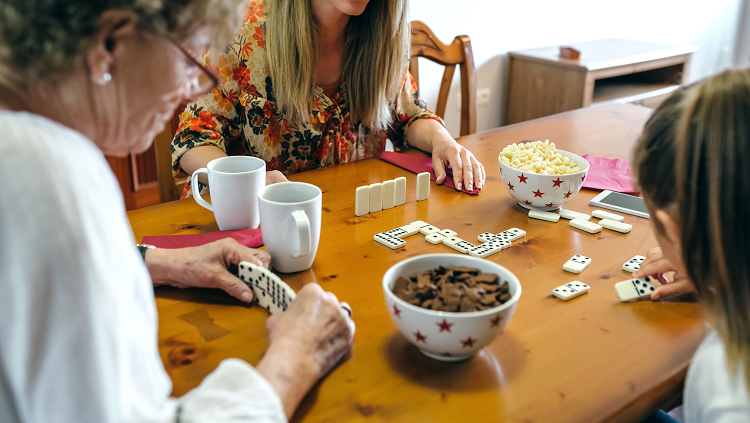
x: 196, y: 189
x: 303, y: 230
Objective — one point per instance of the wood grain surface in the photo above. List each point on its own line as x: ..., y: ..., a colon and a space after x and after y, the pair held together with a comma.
x: 591, y: 359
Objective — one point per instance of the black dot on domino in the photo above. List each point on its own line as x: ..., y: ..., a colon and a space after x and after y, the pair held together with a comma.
x: 643, y: 291
x: 653, y: 289
x: 648, y: 279
x: 242, y: 266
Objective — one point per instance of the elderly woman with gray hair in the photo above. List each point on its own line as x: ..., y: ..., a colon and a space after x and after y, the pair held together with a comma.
x: 77, y: 315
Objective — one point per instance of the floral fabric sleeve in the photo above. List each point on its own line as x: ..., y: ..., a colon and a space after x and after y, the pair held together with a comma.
x: 218, y: 117
x: 408, y: 108
x: 215, y: 119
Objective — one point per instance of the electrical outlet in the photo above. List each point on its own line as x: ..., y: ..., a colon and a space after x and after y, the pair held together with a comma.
x: 483, y: 97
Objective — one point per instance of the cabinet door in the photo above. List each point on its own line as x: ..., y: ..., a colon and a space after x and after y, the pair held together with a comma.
x: 138, y: 178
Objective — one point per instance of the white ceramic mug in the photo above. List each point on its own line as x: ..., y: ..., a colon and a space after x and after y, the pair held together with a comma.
x: 235, y: 183
x: 290, y: 215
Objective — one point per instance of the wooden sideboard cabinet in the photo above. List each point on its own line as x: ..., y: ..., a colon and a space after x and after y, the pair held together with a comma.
x: 540, y: 83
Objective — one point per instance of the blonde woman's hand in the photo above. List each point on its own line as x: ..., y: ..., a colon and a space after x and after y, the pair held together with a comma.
x: 656, y: 265
x: 430, y: 136
x: 205, y: 266
x: 274, y: 176
x: 305, y: 343
x: 467, y: 170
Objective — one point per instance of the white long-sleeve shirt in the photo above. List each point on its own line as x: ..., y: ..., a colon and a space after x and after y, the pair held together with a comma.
x: 78, y: 323
x: 712, y: 394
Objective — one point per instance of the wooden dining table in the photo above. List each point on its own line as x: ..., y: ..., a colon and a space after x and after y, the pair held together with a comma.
x: 591, y: 359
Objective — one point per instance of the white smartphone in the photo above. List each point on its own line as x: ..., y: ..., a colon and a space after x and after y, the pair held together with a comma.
x: 620, y: 202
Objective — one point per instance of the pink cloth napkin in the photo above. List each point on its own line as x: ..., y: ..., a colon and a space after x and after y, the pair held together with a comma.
x: 419, y: 164
x: 248, y: 237
x: 612, y: 174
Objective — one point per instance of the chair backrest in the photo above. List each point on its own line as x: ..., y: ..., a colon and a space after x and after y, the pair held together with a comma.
x: 425, y: 44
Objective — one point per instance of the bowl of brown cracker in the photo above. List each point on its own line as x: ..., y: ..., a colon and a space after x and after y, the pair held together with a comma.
x: 450, y: 306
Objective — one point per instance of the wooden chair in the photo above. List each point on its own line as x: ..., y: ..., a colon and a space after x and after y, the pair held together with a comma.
x: 425, y: 44
x: 169, y: 190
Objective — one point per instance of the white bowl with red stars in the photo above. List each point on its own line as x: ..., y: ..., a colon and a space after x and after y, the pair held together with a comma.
x: 442, y: 335
x: 544, y: 192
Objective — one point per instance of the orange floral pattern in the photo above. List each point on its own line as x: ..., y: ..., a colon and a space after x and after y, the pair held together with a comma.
x: 241, y: 116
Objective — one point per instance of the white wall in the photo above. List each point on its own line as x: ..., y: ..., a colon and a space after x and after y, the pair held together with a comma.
x: 742, y: 51
x: 499, y: 26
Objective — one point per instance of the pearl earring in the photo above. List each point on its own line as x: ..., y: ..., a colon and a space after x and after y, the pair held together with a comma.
x: 104, y: 80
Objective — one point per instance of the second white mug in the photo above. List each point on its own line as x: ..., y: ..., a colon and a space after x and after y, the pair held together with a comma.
x: 290, y: 214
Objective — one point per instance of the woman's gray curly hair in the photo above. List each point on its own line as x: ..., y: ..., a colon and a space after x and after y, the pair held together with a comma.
x: 41, y: 40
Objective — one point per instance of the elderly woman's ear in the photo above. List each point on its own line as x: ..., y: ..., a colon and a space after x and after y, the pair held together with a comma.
x: 115, y: 26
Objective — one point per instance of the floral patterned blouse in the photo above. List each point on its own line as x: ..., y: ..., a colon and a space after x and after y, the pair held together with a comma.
x: 241, y: 116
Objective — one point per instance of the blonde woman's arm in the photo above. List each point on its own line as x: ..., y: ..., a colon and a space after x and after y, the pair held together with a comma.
x: 418, y: 127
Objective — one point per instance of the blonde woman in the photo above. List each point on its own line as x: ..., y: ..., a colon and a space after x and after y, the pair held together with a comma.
x: 691, y: 163
x: 315, y: 83
x: 78, y: 322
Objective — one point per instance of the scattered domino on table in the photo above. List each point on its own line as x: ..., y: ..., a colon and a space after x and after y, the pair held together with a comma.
x: 486, y: 249
x: 542, y: 215
x: 486, y: 237
x: 376, y: 197
x: 402, y: 232
x: 601, y: 214
x: 514, y: 233
x: 362, y: 201
x: 570, y: 215
x: 633, y: 264
x: 435, y: 238
x: 419, y: 224
x: 447, y: 232
x: 634, y: 289
x: 269, y: 291
x: 613, y: 225
x: 576, y: 264
x: 458, y: 244
x: 570, y: 290
x: 428, y: 230
x: 585, y: 225
x: 389, y: 194
x: 400, y: 190
x: 394, y: 243
x: 423, y: 186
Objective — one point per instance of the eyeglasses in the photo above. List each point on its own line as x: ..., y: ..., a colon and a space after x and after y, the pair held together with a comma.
x: 200, y: 79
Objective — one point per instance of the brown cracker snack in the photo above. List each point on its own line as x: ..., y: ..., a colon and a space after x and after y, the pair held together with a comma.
x: 461, y: 289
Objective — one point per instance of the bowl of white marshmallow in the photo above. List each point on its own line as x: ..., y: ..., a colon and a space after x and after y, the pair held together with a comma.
x: 540, y: 177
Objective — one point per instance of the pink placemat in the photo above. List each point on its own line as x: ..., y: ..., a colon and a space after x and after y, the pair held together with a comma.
x: 248, y: 237
x: 612, y: 174
x: 419, y: 164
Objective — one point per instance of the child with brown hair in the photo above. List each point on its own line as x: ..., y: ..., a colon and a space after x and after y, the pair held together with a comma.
x: 692, y: 165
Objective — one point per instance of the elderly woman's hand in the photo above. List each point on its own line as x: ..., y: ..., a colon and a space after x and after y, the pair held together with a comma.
x: 205, y: 266
x: 305, y: 343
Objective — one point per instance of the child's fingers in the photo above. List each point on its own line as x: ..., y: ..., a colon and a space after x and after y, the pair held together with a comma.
x: 673, y: 288
x: 654, y: 267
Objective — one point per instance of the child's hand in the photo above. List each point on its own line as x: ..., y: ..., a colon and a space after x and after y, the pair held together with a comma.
x: 656, y: 265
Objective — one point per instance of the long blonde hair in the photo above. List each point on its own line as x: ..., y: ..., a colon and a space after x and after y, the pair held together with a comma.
x: 377, y: 53
x: 698, y: 142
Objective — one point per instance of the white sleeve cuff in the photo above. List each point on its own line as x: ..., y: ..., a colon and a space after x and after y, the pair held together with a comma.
x: 234, y: 392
